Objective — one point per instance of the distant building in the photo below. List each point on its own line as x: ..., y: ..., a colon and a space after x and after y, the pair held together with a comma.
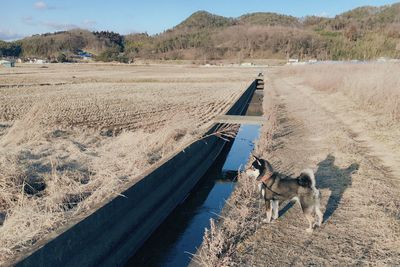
x: 383, y: 59
x: 7, y: 63
x: 293, y: 60
x: 40, y: 61
x: 85, y: 55
x: 247, y: 64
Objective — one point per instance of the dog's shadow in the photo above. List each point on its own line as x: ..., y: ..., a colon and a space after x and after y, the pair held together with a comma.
x: 329, y: 176
x: 337, y: 180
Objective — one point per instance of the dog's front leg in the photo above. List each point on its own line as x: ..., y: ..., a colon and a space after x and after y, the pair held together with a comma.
x: 275, y: 209
x: 268, y: 206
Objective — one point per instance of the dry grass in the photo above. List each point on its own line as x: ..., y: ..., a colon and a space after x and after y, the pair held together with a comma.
x: 374, y: 87
x: 66, y: 148
x: 219, y: 242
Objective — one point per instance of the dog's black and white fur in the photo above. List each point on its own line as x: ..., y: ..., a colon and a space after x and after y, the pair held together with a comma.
x: 275, y: 187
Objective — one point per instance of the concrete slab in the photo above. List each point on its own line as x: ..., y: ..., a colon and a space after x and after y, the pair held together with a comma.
x: 233, y: 119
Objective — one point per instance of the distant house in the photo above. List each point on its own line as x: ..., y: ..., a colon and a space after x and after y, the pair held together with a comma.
x: 40, y: 61
x: 85, y: 55
x: 293, y: 60
x: 247, y: 64
x: 383, y: 59
x: 7, y: 63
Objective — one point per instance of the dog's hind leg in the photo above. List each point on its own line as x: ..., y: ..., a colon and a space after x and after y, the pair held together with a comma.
x: 310, y: 219
x: 275, y: 209
x: 309, y: 205
x: 319, y: 217
x: 319, y: 214
x: 268, y: 206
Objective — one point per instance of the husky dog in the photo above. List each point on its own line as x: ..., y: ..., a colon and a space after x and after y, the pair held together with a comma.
x: 275, y: 187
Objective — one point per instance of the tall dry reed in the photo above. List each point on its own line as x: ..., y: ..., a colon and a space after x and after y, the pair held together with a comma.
x: 375, y: 87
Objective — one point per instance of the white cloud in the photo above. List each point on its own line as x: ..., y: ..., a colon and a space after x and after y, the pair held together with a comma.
x: 28, y: 20
x: 40, y: 5
x: 8, y: 35
x: 64, y: 26
x: 89, y: 23
x: 324, y: 14
x: 59, y: 26
x: 43, y: 6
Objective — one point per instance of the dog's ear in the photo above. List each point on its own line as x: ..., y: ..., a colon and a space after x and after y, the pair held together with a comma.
x: 257, y: 158
x: 268, y: 166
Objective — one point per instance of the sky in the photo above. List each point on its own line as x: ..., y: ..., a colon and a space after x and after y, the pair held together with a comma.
x: 20, y: 18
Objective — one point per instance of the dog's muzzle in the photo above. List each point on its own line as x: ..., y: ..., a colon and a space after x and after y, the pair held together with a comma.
x: 252, y: 173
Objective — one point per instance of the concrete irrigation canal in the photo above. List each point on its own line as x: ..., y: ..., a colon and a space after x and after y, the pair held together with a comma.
x: 178, y: 237
x: 160, y: 220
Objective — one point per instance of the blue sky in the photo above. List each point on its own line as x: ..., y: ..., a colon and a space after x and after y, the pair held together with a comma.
x: 26, y: 17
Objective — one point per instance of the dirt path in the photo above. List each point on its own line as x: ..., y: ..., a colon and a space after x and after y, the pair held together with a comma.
x: 357, y: 173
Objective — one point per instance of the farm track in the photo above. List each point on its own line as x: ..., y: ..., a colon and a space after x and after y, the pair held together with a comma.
x: 359, y: 186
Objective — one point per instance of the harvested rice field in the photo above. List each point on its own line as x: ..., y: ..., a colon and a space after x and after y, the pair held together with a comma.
x: 74, y: 135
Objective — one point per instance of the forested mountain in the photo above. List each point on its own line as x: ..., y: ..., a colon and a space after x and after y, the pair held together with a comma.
x: 362, y: 33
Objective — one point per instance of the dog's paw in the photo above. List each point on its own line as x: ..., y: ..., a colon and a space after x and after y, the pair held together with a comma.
x: 266, y: 221
x: 309, y: 230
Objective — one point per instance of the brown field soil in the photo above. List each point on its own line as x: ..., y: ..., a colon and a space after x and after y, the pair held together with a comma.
x: 354, y: 150
x: 73, y: 135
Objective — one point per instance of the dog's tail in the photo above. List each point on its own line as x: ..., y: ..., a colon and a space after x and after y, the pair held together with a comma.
x: 307, y: 179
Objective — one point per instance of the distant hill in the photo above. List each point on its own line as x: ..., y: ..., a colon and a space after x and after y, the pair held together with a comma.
x: 48, y: 45
x: 269, y: 19
x: 203, y: 20
x: 67, y: 43
x: 362, y: 33
x: 373, y: 16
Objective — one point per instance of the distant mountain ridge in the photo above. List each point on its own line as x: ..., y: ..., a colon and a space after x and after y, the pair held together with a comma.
x: 203, y: 19
x: 362, y: 33
x: 269, y: 19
